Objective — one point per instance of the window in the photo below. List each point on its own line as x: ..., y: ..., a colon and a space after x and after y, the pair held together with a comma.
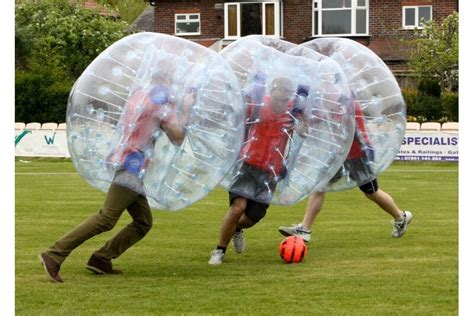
x: 187, y: 24
x: 246, y: 18
x: 340, y: 17
x: 413, y: 15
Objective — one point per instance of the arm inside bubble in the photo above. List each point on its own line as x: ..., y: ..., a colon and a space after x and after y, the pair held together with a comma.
x: 175, y: 128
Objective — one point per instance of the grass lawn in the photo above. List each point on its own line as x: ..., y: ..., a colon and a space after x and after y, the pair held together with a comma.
x: 352, y: 267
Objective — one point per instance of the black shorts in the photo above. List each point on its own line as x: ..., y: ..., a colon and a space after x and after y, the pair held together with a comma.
x: 255, y: 211
x: 356, y: 169
x: 253, y: 183
x: 369, y: 187
x: 257, y: 187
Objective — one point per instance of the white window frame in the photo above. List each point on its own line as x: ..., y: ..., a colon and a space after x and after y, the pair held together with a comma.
x: 187, y: 20
x: 276, y: 27
x: 417, y: 8
x: 354, y: 7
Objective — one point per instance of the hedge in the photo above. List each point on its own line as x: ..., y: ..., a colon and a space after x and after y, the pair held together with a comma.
x: 422, y: 107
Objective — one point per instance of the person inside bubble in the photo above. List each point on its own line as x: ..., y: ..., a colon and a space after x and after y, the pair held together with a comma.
x: 147, y: 112
x: 357, y: 167
x: 270, y: 122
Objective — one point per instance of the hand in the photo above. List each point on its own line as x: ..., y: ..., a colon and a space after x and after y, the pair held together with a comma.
x: 188, y: 101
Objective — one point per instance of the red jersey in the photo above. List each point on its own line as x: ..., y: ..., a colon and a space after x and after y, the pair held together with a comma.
x: 356, y: 150
x: 141, y: 119
x: 266, y: 139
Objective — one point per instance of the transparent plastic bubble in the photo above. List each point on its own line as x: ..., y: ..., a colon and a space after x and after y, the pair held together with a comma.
x: 380, y: 111
x: 299, y: 120
x: 129, y: 109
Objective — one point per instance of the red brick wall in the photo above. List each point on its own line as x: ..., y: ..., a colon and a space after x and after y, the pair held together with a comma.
x: 386, y: 15
x: 212, y: 20
x: 297, y: 20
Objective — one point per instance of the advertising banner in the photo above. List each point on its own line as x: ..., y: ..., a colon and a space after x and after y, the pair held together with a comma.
x: 430, y: 146
x: 41, y: 143
x: 424, y: 146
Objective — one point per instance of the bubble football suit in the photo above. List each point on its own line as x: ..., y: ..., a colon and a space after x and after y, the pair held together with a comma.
x: 127, y: 114
x: 380, y: 112
x: 299, y: 120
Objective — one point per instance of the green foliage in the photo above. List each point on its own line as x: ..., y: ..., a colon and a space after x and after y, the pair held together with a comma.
x: 435, y: 53
x: 352, y: 267
x: 422, y: 107
x: 41, y: 95
x: 429, y: 87
x: 450, y: 102
x: 70, y: 33
x: 23, y: 47
x: 55, y: 41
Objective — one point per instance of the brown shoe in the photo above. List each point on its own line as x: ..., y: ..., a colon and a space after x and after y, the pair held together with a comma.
x: 101, y: 266
x: 51, y: 267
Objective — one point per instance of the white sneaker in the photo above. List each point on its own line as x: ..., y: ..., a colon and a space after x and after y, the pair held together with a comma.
x: 399, y: 227
x: 239, y: 241
x: 296, y: 230
x: 217, y: 256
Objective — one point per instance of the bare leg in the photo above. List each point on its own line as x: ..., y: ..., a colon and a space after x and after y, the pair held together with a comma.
x: 315, y: 203
x: 386, y: 202
x: 229, y: 223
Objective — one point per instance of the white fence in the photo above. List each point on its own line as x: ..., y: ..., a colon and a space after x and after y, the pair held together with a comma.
x: 428, y: 146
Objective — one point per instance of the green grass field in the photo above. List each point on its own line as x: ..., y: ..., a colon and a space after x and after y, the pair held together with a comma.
x: 352, y: 267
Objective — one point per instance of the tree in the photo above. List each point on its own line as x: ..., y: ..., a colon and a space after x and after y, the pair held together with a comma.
x: 68, y: 33
x: 435, y: 53
x: 54, y: 42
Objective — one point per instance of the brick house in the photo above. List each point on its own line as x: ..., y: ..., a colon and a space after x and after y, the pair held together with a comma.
x: 379, y: 24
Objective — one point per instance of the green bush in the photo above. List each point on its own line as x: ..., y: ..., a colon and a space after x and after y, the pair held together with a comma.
x: 55, y: 41
x: 41, y: 95
x: 450, y: 103
x: 422, y: 107
x: 71, y: 34
x: 430, y: 87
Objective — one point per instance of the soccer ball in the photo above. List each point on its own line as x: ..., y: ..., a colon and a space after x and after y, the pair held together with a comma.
x: 292, y: 249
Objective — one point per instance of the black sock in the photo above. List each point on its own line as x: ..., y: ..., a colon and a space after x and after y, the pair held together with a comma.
x: 238, y: 230
x: 221, y: 248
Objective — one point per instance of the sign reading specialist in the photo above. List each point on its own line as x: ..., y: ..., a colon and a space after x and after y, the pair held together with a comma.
x: 429, y: 146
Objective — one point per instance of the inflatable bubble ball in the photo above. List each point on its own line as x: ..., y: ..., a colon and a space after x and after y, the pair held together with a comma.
x: 158, y: 114
x: 299, y: 120
x: 380, y: 112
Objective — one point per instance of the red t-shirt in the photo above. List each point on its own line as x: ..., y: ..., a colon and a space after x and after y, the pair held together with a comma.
x: 140, y: 120
x: 356, y: 150
x: 269, y: 143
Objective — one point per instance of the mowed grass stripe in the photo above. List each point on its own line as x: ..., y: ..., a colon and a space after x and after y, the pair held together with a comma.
x: 352, y: 267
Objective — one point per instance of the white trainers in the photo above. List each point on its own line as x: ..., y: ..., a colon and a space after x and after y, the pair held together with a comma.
x: 239, y: 241
x: 399, y: 227
x: 296, y: 230
x: 217, y: 256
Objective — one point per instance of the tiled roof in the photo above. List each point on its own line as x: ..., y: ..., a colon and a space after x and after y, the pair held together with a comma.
x: 93, y: 5
x: 146, y: 20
